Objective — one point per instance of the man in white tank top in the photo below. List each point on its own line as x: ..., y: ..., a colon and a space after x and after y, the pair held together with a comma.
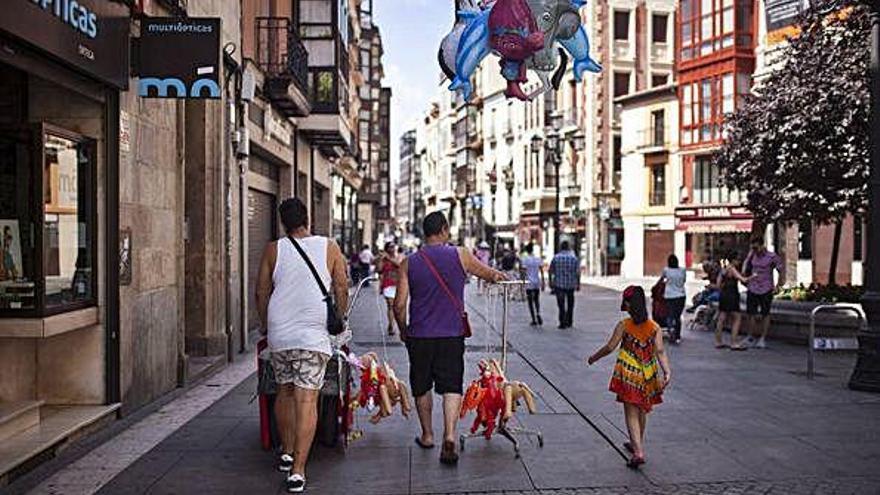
x: 294, y: 314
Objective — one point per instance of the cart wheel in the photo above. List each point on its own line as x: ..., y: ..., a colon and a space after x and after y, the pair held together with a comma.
x: 461, y: 441
x: 541, y: 441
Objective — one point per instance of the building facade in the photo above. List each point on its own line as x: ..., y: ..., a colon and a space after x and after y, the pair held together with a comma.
x: 143, y: 220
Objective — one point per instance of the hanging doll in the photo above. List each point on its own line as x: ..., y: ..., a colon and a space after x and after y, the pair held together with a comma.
x: 380, y: 389
x: 515, y: 36
x: 485, y: 396
x: 513, y: 393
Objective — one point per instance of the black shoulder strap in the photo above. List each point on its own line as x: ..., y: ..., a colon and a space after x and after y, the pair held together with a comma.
x: 310, y: 265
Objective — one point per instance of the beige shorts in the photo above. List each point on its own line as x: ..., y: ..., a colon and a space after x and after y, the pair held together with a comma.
x: 303, y: 369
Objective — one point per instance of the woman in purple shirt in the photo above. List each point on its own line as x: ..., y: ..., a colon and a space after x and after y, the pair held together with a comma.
x: 431, y: 286
x: 758, y: 267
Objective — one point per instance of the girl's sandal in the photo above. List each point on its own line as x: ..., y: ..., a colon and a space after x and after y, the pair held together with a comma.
x: 738, y: 348
x: 635, y: 461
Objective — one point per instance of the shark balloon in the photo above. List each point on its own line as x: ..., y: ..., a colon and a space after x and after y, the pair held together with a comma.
x: 525, y: 35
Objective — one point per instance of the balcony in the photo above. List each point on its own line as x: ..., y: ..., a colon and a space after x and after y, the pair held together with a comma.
x: 653, y: 139
x: 285, y: 62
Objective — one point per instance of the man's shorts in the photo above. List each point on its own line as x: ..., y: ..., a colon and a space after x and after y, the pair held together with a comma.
x: 756, y: 303
x: 437, y: 364
x: 303, y: 369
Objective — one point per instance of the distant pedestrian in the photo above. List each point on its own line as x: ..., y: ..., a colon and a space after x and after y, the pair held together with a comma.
x: 636, y: 378
x: 366, y: 258
x: 534, y: 269
x: 565, y: 279
x: 388, y: 265
x: 674, y: 277
x: 294, y: 274
x: 431, y: 291
x: 758, y: 267
x: 484, y: 254
x: 354, y: 266
x: 729, y: 279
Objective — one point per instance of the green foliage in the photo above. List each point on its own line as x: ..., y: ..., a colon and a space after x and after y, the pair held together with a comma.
x: 799, y: 146
x: 823, y: 293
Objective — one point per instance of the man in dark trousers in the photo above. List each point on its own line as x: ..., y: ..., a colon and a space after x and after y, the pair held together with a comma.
x: 565, y: 278
x: 430, y: 288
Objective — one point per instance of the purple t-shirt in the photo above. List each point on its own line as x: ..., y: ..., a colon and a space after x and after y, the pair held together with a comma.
x: 432, y: 314
x: 761, y: 267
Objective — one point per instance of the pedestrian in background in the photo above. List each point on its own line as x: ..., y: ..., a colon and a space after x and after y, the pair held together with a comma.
x: 729, y: 278
x: 388, y: 265
x: 483, y: 254
x: 366, y: 258
x: 534, y: 270
x: 758, y: 267
x: 431, y: 291
x: 565, y: 279
x: 674, y: 277
x: 294, y: 274
x: 636, y: 379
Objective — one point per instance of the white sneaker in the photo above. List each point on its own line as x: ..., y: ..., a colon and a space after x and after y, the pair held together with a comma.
x: 296, y: 483
x: 285, y: 463
x: 760, y: 344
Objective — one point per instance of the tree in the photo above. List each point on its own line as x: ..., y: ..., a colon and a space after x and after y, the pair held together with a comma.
x: 799, y: 146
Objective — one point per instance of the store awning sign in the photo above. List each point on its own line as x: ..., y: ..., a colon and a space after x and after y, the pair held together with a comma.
x: 179, y: 58
x: 89, y: 35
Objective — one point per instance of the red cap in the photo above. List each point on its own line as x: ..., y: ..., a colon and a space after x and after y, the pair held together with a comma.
x: 627, y: 295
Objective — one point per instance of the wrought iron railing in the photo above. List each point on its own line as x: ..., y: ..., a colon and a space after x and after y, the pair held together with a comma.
x: 280, y: 52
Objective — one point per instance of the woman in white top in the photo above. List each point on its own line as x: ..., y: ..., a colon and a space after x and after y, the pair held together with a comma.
x: 293, y: 311
x: 674, y: 277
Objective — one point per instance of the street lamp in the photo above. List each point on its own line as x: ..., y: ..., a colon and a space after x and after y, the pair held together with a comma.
x: 866, y: 375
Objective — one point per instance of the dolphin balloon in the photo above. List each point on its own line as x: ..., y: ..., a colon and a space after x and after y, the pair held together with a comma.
x: 536, y: 35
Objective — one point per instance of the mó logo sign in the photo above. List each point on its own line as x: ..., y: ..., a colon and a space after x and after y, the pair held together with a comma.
x: 73, y: 13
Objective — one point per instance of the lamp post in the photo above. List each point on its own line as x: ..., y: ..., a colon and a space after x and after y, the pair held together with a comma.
x: 866, y: 375
x: 553, y: 154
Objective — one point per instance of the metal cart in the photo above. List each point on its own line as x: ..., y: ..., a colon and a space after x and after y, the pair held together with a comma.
x: 505, y: 429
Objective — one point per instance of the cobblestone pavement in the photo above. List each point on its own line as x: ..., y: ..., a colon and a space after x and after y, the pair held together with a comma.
x: 800, y: 486
x: 732, y: 423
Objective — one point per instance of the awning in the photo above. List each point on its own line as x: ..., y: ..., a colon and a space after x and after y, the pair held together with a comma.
x: 715, y: 226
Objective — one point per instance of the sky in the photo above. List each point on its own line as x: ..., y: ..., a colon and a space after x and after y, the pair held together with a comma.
x: 411, y: 33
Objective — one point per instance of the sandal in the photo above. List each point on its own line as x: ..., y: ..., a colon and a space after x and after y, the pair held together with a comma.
x: 448, y: 456
x: 423, y: 445
x: 721, y: 346
x: 635, y: 461
x: 738, y: 348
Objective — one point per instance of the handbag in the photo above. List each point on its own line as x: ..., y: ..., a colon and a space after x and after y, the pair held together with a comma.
x: 335, y: 325
x: 465, y: 323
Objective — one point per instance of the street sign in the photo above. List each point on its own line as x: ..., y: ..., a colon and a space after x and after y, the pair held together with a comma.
x: 179, y: 58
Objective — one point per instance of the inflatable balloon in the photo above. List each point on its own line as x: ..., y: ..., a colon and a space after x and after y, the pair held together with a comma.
x: 536, y: 35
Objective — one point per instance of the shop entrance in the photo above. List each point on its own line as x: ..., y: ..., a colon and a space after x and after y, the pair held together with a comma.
x: 261, y: 230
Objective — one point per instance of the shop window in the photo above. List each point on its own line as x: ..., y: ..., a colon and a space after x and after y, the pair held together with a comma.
x: 621, y: 25
x: 47, y: 233
x: 617, y: 163
x: 657, y: 193
x: 659, y: 22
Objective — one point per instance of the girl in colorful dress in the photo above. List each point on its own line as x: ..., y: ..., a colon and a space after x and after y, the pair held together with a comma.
x: 635, y: 379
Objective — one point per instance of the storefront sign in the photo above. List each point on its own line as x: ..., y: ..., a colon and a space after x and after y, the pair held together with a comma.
x: 704, y: 212
x: 125, y: 256
x: 90, y: 35
x: 274, y: 128
x: 124, y: 132
x: 179, y: 58
x: 780, y: 16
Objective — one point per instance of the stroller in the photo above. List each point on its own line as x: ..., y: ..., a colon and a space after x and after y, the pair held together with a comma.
x: 659, y: 311
x: 335, y: 414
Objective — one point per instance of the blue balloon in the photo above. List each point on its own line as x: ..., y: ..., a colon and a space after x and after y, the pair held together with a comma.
x: 473, y: 47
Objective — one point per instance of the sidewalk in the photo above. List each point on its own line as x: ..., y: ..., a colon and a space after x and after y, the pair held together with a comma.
x: 731, y: 423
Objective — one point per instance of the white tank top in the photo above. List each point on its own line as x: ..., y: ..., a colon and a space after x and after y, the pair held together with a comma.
x: 297, y: 311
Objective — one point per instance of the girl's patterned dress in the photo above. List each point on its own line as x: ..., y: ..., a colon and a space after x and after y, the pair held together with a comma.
x: 635, y: 379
